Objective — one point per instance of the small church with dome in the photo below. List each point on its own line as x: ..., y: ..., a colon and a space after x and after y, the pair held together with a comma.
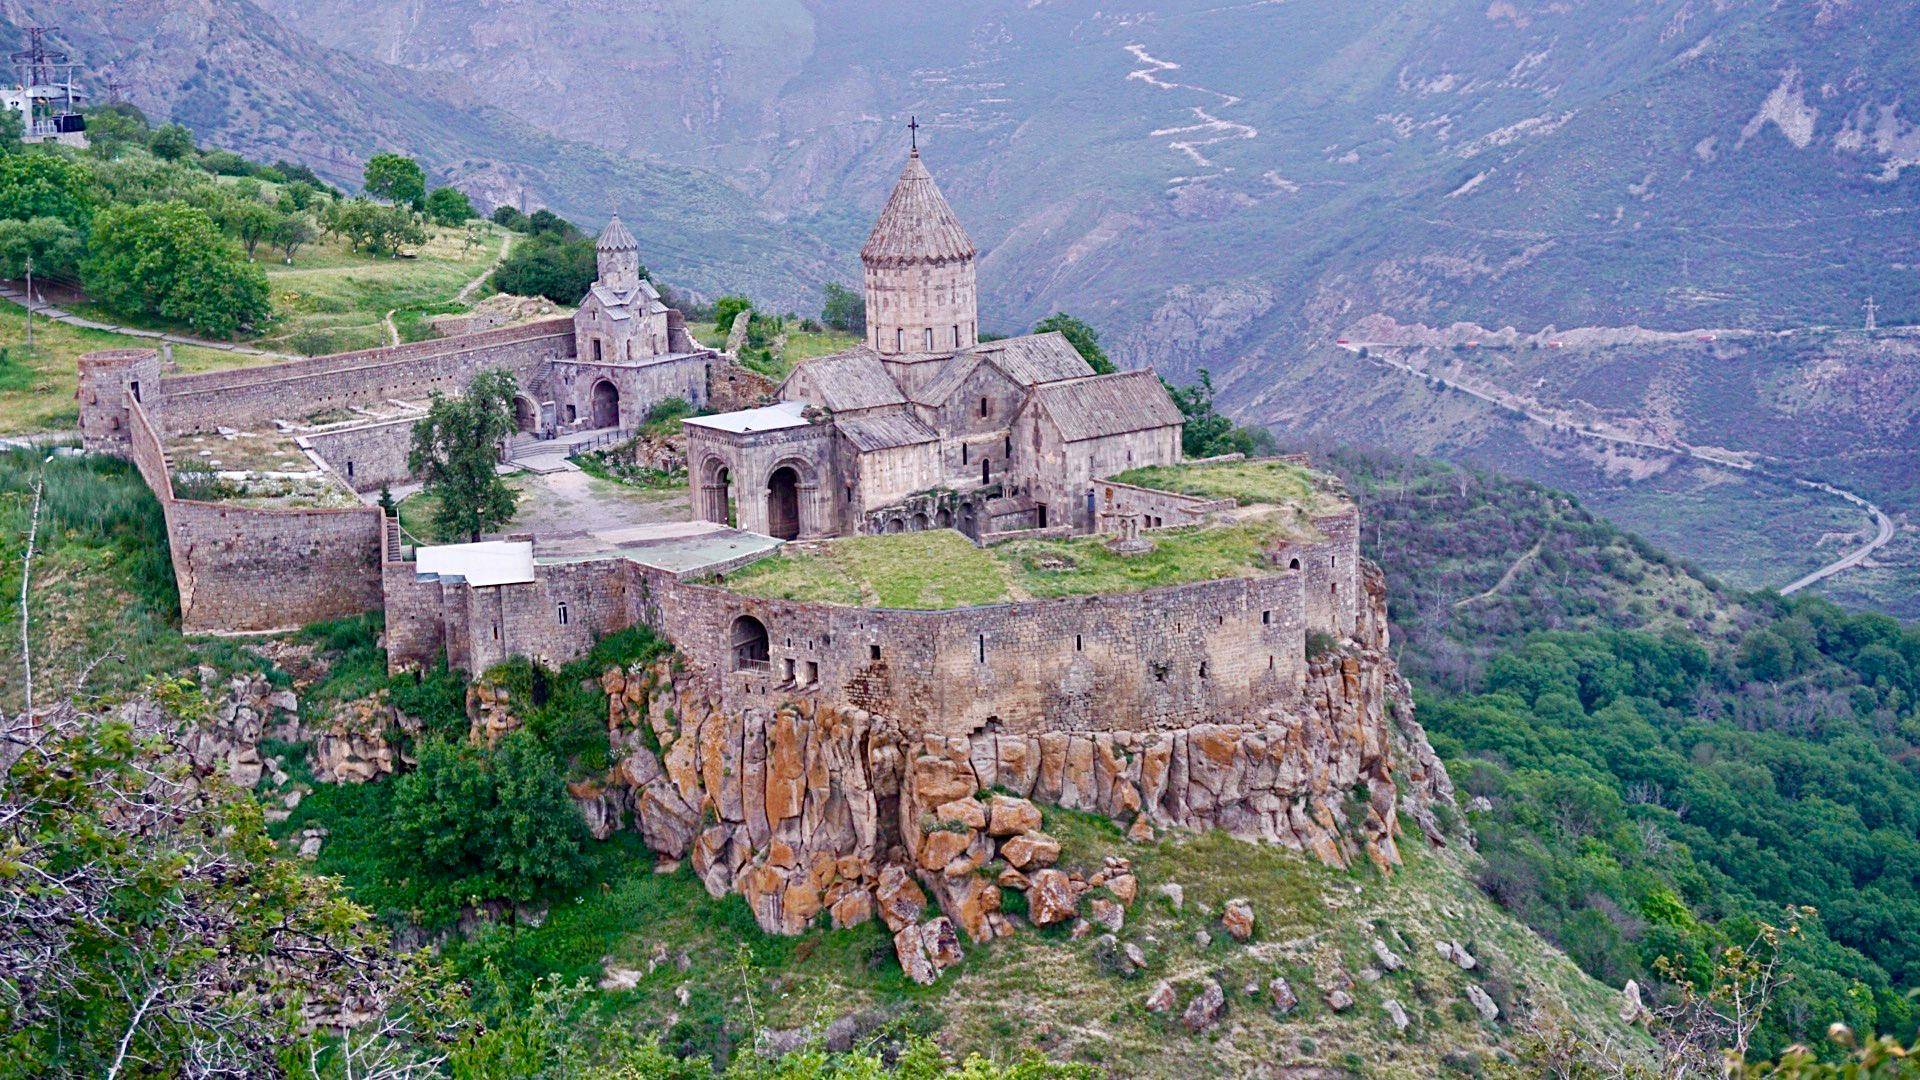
x: 924, y: 425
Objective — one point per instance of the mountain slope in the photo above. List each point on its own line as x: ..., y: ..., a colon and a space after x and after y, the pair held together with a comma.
x: 241, y: 79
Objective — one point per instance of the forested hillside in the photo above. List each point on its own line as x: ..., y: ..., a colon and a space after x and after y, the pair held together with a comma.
x: 1656, y: 764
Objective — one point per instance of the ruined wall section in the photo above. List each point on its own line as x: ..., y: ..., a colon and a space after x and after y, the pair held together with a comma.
x: 251, y: 397
x: 368, y: 456
x: 248, y: 569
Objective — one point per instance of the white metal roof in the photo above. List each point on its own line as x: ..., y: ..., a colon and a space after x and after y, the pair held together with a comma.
x: 489, y: 562
x: 786, y: 414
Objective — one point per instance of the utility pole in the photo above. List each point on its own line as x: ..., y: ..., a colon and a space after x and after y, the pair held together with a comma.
x: 1873, y: 310
x: 29, y: 301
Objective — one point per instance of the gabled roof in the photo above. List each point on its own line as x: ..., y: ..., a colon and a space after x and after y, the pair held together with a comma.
x: 1028, y: 360
x: 646, y: 298
x: 884, y: 432
x: 917, y: 226
x: 845, y: 381
x: 1102, y: 405
x: 615, y: 237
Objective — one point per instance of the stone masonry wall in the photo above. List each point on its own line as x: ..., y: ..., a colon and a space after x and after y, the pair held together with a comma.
x: 804, y: 806
x: 366, y: 456
x: 251, y: 397
x: 245, y: 569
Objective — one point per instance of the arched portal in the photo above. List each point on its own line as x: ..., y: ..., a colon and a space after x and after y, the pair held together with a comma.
x: 920, y: 523
x: 749, y: 641
x: 716, y: 494
x: 783, y: 504
x: 606, y: 405
x: 526, y: 417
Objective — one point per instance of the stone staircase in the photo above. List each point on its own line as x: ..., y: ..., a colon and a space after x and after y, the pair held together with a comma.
x: 540, y: 456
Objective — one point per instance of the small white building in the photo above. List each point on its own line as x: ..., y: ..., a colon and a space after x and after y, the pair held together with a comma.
x: 48, y: 113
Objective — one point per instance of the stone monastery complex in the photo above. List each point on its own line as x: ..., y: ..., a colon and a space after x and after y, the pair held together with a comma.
x: 1176, y: 643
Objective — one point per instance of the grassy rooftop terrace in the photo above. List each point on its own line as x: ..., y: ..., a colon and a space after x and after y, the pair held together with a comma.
x: 940, y: 569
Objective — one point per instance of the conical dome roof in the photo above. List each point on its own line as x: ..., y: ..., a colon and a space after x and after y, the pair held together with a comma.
x: 615, y: 237
x: 917, y: 225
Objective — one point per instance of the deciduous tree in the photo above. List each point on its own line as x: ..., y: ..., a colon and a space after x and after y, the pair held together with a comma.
x: 397, y: 179
x: 169, y: 260
x: 454, y: 451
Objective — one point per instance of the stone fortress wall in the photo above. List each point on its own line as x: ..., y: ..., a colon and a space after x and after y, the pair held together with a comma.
x: 253, y: 568
x: 1160, y: 658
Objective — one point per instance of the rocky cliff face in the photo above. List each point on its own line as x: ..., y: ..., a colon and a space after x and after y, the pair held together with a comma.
x: 805, y: 808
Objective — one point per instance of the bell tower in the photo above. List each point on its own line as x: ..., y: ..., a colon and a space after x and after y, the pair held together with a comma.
x: 619, y: 257
x: 919, y: 269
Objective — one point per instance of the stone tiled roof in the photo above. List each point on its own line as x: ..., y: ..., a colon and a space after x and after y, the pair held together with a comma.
x: 1101, y: 405
x: 917, y: 225
x: 1029, y: 360
x: 844, y: 381
x: 645, y: 298
x: 885, y: 431
x: 615, y: 237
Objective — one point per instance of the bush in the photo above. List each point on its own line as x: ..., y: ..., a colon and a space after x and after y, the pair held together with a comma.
x: 543, y: 265
x: 448, y: 206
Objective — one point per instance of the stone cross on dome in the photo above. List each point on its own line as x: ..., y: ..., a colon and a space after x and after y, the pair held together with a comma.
x: 913, y: 135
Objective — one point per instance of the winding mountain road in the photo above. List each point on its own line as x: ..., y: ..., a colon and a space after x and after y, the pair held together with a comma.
x: 1539, y: 414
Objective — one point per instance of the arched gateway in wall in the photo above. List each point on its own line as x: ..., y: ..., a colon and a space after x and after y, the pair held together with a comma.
x: 606, y: 404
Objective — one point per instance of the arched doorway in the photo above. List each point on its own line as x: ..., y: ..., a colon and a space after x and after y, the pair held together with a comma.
x: 525, y: 416
x: 920, y: 523
x: 749, y: 641
x: 606, y: 405
x: 783, y: 504
x: 716, y: 493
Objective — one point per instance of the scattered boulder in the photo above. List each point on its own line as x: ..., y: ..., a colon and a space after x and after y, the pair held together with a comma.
x: 1008, y: 816
x: 1140, y: 832
x: 1030, y: 850
x: 900, y: 899
x: 1206, y: 1008
x: 1488, y: 1010
x: 1160, y: 998
x: 1124, y: 887
x: 1175, y: 895
x: 1107, y: 914
x: 1396, y: 1014
x: 926, y: 950
x: 967, y: 812
x: 1050, y: 898
x: 1632, y: 1009
x: 311, y: 841
x: 1237, y: 918
x: 1280, y: 992
x: 1456, y: 953
x: 1339, y: 1000
x: 1387, y: 957
x: 853, y: 908
x: 619, y: 978
x: 1202, y: 939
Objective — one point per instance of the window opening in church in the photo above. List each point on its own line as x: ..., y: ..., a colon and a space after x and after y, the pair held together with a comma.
x: 983, y: 406
x: 561, y: 612
x: 899, y: 339
x: 956, y: 335
x: 596, y: 350
x: 929, y: 339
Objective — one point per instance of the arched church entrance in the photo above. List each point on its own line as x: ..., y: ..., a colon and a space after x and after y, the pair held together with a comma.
x: 606, y: 405
x: 525, y: 416
x: 783, y: 504
x: 749, y: 641
x: 716, y: 493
